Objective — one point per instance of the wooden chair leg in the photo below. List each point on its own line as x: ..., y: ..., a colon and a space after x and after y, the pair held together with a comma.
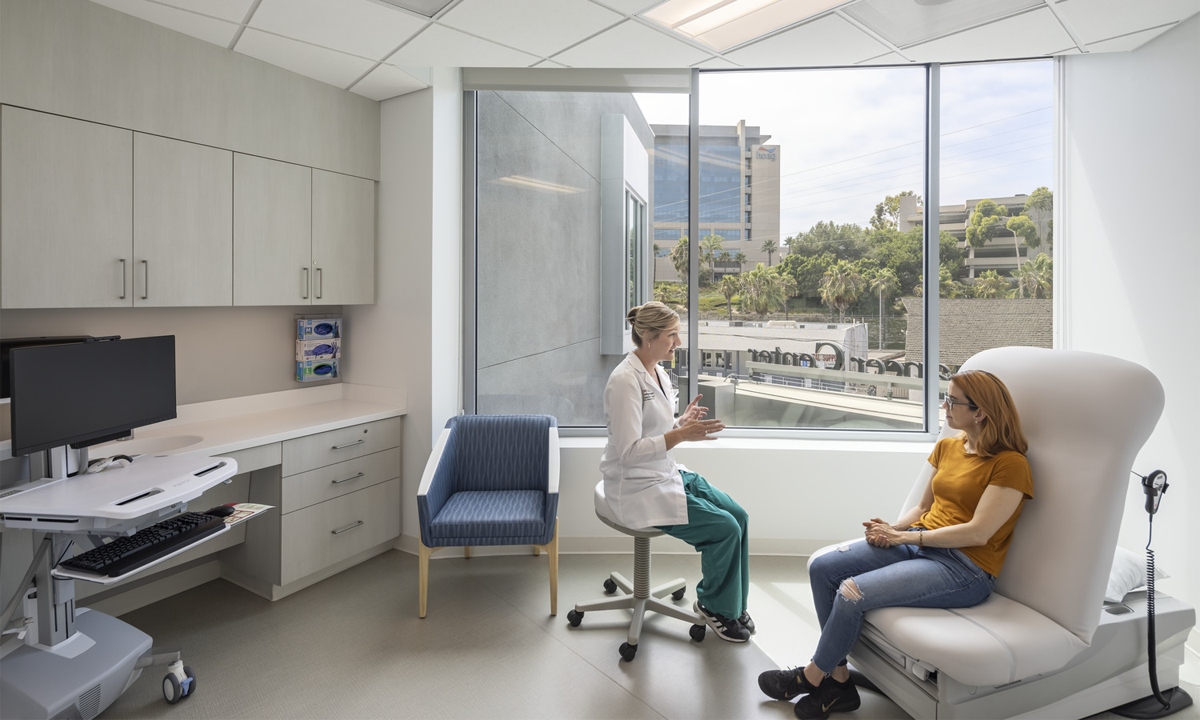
x: 423, y: 574
x: 466, y: 551
x: 552, y: 551
x: 537, y: 550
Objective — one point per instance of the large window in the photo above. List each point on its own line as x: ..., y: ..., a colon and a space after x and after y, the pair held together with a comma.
x: 807, y: 313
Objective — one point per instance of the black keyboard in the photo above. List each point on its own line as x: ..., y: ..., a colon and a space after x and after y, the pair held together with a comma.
x: 131, y: 552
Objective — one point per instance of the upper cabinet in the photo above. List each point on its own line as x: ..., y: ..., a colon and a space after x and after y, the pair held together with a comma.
x: 272, y: 232
x: 182, y: 223
x: 343, y: 239
x: 66, y: 228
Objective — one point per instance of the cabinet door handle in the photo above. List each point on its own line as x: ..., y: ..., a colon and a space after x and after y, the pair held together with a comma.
x: 320, y: 283
x: 359, y: 441
x: 352, y: 477
x: 145, y: 279
x: 123, y: 282
x: 351, y: 526
x: 304, y: 284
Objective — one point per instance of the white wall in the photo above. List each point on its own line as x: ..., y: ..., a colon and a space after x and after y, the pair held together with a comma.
x: 1131, y: 259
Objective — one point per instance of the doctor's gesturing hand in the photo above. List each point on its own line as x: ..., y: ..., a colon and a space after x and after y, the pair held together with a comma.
x: 692, y: 426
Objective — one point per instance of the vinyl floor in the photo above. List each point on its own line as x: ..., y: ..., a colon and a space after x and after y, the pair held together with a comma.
x: 352, y: 646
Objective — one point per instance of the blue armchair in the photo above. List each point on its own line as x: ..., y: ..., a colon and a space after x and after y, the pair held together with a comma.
x: 491, y: 480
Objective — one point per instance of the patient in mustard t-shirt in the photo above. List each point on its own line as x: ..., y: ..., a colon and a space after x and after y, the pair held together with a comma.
x: 945, y: 553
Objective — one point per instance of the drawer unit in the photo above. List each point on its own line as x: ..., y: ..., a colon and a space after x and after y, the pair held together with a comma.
x: 331, y: 481
x: 307, y: 453
x: 321, y: 535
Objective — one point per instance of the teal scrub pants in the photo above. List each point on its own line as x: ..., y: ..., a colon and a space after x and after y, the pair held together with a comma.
x: 717, y: 528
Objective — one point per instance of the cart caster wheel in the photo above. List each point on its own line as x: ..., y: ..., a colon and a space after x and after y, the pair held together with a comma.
x: 628, y: 651
x: 678, y: 594
x: 574, y: 617
x: 697, y: 632
x: 610, y: 587
x: 189, y: 685
x: 172, y: 691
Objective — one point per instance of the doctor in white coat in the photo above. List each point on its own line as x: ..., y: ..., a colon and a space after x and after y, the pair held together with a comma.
x: 644, y: 485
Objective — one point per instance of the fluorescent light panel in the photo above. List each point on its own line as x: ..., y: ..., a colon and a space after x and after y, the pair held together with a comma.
x: 722, y: 24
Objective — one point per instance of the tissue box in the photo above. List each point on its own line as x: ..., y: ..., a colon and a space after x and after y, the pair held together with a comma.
x: 318, y: 349
x: 318, y: 328
x: 310, y: 370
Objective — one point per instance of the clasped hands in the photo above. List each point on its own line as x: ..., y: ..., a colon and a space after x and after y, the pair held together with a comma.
x: 881, y: 534
x: 692, y: 423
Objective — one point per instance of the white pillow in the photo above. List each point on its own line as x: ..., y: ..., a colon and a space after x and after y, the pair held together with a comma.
x: 1128, y: 573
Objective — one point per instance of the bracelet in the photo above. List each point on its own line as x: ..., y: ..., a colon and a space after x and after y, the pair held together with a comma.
x: 921, y: 538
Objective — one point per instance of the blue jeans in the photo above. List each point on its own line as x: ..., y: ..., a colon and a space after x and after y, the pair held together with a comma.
x: 904, y: 575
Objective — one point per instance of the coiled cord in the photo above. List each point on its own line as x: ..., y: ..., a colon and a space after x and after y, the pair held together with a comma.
x: 1152, y: 647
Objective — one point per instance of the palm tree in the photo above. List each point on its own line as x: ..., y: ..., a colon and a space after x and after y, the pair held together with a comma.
x: 740, y: 259
x: 709, y: 247
x: 679, y: 258
x: 654, y: 266
x: 885, y: 282
x: 770, y: 246
x: 762, y: 290
x: 725, y: 256
x: 790, y: 290
x: 990, y: 284
x: 730, y: 285
x: 841, y: 287
x: 1036, y: 279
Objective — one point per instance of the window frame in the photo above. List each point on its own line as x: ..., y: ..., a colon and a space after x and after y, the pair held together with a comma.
x: 620, y: 81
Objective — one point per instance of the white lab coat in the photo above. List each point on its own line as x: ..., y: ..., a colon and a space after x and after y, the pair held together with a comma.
x: 641, y: 479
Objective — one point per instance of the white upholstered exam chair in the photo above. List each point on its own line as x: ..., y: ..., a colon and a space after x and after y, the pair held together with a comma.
x: 1044, y: 644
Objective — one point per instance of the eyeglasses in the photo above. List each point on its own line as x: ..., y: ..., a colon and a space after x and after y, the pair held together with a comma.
x: 950, y: 402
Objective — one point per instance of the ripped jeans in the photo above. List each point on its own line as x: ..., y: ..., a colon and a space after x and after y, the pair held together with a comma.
x: 904, y: 575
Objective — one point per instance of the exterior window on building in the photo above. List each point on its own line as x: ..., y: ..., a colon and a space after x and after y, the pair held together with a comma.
x: 747, y: 178
x: 747, y: 198
x: 747, y: 217
x: 747, y: 234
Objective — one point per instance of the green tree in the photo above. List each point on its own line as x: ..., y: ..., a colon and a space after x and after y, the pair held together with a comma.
x: 840, y: 287
x: 948, y: 287
x: 790, y: 289
x: 770, y: 246
x: 654, y: 266
x: 679, y: 259
x: 808, y: 272
x: 730, y: 285
x: 762, y: 290
x: 740, y: 259
x: 984, y: 223
x: 887, y: 213
x: 904, y: 253
x: 885, y: 282
x: 1039, y: 208
x: 1035, y: 279
x: 990, y: 284
x: 846, y: 242
x: 710, y: 245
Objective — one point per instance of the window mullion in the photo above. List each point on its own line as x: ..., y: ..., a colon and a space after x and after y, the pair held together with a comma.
x: 932, y: 286
x: 693, y: 237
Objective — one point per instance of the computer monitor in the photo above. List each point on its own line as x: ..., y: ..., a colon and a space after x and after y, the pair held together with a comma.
x: 90, y: 392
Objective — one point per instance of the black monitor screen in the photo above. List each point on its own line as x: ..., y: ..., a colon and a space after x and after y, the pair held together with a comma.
x: 89, y: 392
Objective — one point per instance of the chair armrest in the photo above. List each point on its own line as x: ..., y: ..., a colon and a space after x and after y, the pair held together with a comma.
x: 431, y: 465
x: 553, y: 463
x: 436, y: 485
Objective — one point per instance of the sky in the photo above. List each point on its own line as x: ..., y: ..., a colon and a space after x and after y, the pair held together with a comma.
x: 849, y: 137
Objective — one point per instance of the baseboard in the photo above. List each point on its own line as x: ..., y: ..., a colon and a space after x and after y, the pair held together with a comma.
x: 160, y: 586
x: 618, y: 545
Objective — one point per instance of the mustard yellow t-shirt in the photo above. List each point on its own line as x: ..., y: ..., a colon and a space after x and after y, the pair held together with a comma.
x: 958, y: 484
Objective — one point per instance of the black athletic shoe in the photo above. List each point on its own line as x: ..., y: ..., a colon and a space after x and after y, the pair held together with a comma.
x: 746, y: 621
x: 830, y: 696
x: 785, y: 684
x: 725, y: 628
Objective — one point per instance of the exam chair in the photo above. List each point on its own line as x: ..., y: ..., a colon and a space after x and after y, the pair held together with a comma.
x: 1044, y: 644
x: 491, y: 480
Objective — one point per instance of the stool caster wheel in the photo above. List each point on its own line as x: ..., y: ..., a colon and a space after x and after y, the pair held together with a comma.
x: 628, y: 651
x: 610, y: 587
x: 697, y: 632
x: 678, y: 594
x: 574, y: 617
x: 171, y: 689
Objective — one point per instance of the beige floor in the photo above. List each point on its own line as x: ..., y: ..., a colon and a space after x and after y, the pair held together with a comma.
x: 353, y: 647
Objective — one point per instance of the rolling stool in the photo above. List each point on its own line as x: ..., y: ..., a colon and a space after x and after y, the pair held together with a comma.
x: 638, y: 597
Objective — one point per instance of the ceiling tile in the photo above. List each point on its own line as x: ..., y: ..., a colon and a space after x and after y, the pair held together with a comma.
x: 441, y: 46
x: 1032, y: 34
x: 203, y: 27
x: 387, y: 81
x: 1132, y: 41
x: 828, y: 40
x: 231, y: 10
x: 717, y: 64
x: 541, y: 27
x: 357, y: 27
x: 914, y: 21
x: 328, y: 66
x: 628, y: 7
x: 632, y: 44
x: 1096, y: 20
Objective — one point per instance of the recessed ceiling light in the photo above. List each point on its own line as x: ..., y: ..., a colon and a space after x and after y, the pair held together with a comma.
x: 722, y: 24
x: 428, y: 8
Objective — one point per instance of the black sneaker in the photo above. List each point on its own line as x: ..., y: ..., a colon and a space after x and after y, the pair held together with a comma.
x: 830, y: 696
x: 746, y: 621
x: 725, y: 628
x: 785, y: 684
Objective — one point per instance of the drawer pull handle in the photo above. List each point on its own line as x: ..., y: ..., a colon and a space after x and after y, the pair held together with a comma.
x: 352, y: 477
x: 360, y: 441
x: 351, y: 526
